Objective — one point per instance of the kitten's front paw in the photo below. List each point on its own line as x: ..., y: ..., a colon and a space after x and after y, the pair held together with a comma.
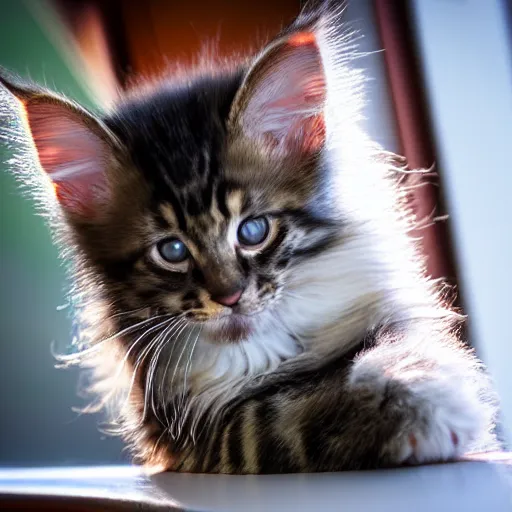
x: 441, y: 421
x: 438, y: 432
x: 427, y: 416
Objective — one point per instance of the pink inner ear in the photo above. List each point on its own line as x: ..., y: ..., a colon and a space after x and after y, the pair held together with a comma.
x: 71, y: 154
x: 287, y: 97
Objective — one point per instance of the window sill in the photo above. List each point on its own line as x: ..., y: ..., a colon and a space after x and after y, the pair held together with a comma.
x: 483, y: 483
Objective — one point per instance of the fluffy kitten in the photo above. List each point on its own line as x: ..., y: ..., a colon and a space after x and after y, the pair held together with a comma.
x: 249, y: 297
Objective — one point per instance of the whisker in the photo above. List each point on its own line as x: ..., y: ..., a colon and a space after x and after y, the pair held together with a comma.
x: 130, y: 350
x: 140, y: 359
x: 151, y: 367
x: 187, y: 371
x: 77, y: 356
x: 165, y: 337
x: 121, y: 365
x: 124, y: 313
x: 127, y: 400
x: 177, y: 406
x: 165, y: 373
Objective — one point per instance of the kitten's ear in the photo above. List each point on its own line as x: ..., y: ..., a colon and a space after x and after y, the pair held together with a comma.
x: 282, y: 97
x: 71, y: 145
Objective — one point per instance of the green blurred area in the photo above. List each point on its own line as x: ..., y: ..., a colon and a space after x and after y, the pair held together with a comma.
x: 37, y: 425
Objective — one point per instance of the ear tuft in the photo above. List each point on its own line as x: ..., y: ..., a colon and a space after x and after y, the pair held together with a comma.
x: 71, y: 146
x: 281, y: 100
x: 302, y: 38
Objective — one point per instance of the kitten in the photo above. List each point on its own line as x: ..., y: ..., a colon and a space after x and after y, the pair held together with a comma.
x: 249, y: 297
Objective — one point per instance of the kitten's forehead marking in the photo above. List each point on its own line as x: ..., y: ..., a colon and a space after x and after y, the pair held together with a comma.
x: 167, y: 212
x: 215, y: 212
x: 234, y: 202
x: 208, y: 224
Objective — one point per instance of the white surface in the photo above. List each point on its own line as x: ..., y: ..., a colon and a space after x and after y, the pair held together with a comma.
x: 467, y: 61
x: 461, y: 487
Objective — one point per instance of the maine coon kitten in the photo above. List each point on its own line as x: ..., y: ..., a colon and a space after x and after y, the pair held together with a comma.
x: 250, y: 299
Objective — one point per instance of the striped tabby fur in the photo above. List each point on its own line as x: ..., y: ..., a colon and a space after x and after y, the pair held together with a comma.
x: 340, y: 353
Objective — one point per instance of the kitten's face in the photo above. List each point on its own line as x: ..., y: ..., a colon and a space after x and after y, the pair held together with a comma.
x: 213, y: 221
x: 206, y: 200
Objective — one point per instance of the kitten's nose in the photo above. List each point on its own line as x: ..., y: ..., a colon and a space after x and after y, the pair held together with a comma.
x: 228, y: 300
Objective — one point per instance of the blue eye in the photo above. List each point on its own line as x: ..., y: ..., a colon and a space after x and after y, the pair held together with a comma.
x: 173, y: 250
x: 253, y: 231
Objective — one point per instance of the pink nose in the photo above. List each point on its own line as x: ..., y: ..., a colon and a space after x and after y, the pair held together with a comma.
x: 229, y: 300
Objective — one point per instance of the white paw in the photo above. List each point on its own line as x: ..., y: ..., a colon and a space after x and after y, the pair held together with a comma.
x: 431, y: 440
x: 431, y: 405
x: 441, y: 424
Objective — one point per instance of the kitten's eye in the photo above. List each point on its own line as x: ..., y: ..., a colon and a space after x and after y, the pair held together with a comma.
x: 173, y: 250
x: 253, y: 231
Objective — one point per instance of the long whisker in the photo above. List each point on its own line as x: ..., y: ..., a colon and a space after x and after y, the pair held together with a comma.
x: 140, y: 359
x: 189, y: 363
x: 132, y: 381
x: 124, y: 313
x: 77, y: 356
x: 169, y: 360
x: 187, y: 371
x: 176, y: 366
x: 151, y: 368
x: 122, y: 364
x: 172, y: 331
x: 176, y: 407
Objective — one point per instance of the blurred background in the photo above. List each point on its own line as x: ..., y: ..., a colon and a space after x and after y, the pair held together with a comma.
x: 440, y: 93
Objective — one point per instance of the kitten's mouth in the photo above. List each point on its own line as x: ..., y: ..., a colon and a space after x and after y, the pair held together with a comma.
x: 231, y: 329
